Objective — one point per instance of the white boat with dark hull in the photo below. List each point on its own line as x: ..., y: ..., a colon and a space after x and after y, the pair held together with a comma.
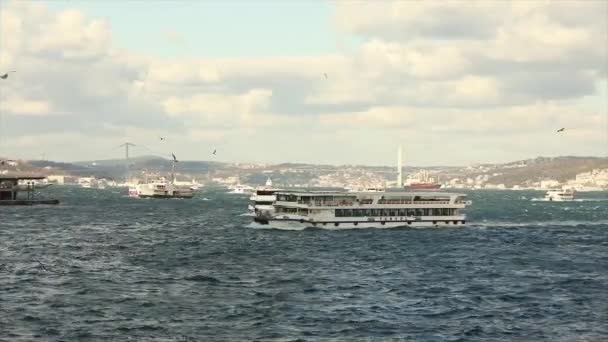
x: 160, y: 189
x: 390, y: 209
x: 563, y: 195
x: 25, y: 185
x: 241, y: 189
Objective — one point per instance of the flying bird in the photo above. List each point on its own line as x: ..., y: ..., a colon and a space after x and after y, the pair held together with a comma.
x: 561, y: 130
x: 174, y: 158
x: 5, y: 76
x: 325, y: 74
x: 161, y: 138
x: 214, y: 152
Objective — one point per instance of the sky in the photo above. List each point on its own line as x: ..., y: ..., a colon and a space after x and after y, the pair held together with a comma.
x: 332, y: 82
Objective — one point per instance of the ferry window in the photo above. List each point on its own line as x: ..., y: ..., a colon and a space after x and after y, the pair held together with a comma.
x: 418, y: 212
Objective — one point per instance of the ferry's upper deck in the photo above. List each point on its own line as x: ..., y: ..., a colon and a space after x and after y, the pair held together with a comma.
x: 386, y: 199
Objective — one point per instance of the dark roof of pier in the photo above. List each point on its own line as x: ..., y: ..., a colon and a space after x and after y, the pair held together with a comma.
x: 17, y: 176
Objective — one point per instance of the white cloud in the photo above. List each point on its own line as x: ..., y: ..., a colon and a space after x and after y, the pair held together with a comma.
x: 26, y: 107
x: 219, y: 106
x: 466, y: 72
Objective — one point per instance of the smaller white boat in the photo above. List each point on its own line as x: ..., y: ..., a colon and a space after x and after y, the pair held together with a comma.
x: 24, y: 185
x: 241, y: 189
x: 562, y: 195
x: 160, y: 189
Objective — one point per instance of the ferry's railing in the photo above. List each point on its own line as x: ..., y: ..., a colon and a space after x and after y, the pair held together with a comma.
x: 431, y: 202
x: 411, y: 202
x: 368, y: 202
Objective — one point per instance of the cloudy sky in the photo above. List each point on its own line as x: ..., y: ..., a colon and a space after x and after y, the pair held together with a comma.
x: 453, y: 82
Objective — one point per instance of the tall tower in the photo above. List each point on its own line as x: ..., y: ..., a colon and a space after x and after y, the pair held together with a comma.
x: 399, y: 168
x: 127, y: 161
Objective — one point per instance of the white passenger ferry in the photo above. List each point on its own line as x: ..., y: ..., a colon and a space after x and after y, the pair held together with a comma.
x: 387, y: 209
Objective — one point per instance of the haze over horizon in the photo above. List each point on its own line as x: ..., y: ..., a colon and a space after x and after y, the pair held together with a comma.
x: 318, y: 82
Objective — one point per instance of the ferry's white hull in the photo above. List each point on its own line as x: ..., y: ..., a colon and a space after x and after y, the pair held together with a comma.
x: 559, y: 199
x: 296, y: 225
x: 453, y: 221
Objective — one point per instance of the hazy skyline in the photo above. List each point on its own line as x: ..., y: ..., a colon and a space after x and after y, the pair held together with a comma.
x: 452, y: 82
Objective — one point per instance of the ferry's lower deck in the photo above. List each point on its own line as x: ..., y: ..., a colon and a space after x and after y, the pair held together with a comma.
x: 294, y: 223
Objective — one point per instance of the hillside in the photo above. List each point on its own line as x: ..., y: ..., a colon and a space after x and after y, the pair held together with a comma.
x: 533, y: 170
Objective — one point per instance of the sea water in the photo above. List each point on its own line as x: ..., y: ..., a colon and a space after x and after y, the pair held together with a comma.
x: 102, y: 266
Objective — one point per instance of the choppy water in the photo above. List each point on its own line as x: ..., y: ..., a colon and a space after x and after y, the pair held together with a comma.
x: 105, y: 267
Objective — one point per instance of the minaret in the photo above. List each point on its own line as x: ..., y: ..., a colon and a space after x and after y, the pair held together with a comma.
x: 399, y: 168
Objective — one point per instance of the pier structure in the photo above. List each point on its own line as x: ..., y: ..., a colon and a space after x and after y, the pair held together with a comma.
x: 13, y: 185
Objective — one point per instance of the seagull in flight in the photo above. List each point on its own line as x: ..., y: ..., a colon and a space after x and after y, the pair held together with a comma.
x: 5, y: 76
x: 161, y: 138
x: 214, y: 151
x: 174, y: 158
x: 561, y: 130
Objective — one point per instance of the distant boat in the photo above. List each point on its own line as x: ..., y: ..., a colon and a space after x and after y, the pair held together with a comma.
x: 24, y: 185
x: 160, y: 189
x: 241, y: 189
x: 562, y: 195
